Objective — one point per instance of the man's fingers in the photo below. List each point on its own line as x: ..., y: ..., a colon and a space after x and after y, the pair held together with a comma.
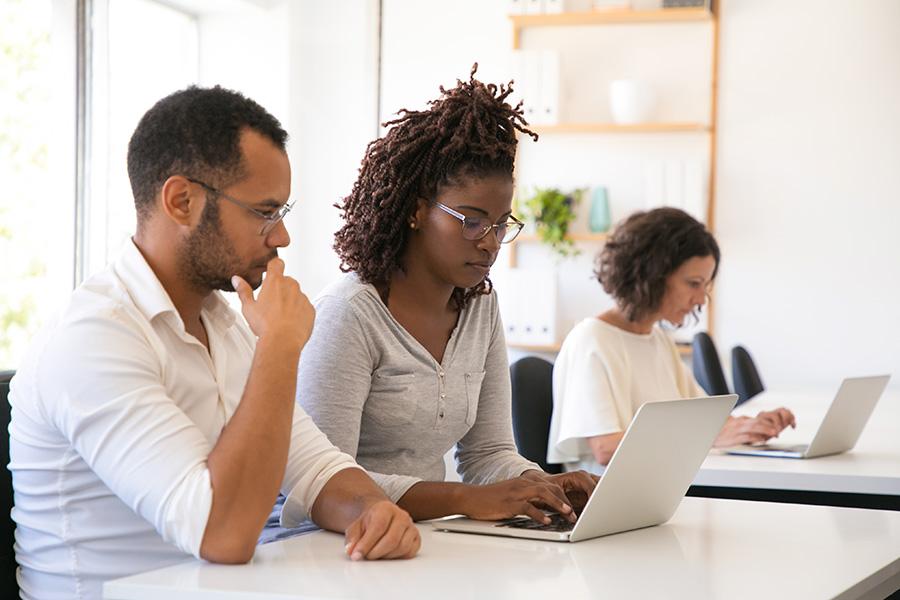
x: 388, y: 542
x: 275, y: 268
x: 410, y: 544
x: 373, y: 529
x: 352, y: 535
x: 245, y: 294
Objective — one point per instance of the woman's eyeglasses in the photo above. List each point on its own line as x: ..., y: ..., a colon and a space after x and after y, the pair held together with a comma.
x: 475, y: 228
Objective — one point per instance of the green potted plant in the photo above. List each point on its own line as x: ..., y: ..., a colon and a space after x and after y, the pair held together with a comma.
x: 551, y: 211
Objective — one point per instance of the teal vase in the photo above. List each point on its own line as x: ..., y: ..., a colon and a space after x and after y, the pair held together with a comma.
x: 599, y: 220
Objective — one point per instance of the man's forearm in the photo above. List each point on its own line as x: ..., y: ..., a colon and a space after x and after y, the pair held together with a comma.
x: 248, y: 461
x: 344, y: 498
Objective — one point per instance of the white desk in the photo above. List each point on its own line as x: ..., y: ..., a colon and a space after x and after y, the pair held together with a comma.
x: 710, y: 549
x: 872, y: 468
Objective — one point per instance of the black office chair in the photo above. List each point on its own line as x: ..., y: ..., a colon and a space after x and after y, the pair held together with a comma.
x: 707, y: 368
x: 532, y: 407
x: 746, y: 379
x: 9, y: 588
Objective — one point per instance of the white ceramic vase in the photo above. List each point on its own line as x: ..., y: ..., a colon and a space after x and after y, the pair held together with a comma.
x: 631, y: 101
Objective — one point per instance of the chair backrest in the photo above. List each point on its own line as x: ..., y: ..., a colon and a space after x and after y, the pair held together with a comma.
x: 532, y: 407
x: 746, y: 379
x: 707, y: 368
x: 8, y: 566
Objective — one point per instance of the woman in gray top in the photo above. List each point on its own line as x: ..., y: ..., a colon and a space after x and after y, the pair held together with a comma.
x: 407, y: 358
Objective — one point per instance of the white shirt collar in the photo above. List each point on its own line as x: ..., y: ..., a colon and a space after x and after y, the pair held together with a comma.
x: 152, y: 299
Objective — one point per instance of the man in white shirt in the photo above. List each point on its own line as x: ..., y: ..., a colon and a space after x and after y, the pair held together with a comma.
x: 149, y: 424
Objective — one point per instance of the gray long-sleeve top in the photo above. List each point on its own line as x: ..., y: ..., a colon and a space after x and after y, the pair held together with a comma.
x: 381, y: 397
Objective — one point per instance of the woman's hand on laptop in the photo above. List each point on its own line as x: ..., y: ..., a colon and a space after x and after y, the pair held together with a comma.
x: 519, y: 496
x: 753, y: 430
x: 578, y: 485
x: 780, y: 418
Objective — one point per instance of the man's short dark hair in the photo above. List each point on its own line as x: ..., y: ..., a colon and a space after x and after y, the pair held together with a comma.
x: 194, y: 132
x: 641, y: 253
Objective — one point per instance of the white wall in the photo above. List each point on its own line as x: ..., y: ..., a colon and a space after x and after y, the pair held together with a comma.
x: 332, y: 115
x: 245, y: 46
x: 809, y: 183
x: 809, y: 148
x: 426, y: 45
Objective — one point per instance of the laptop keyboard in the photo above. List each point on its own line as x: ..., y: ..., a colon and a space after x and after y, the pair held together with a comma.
x: 780, y: 448
x: 557, y: 523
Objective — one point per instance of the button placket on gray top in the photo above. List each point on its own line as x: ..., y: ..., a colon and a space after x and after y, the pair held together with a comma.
x: 442, y: 395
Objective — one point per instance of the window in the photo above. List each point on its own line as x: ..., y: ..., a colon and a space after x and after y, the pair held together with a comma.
x: 52, y: 154
x: 131, y: 70
x: 36, y: 167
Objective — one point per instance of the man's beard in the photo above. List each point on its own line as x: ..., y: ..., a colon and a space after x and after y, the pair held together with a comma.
x: 207, y: 260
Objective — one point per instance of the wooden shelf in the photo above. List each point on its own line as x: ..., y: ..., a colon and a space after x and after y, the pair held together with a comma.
x: 553, y: 348
x: 683, y: 349
x: 613, y: 17
x: 607, y: 17
x: 615, y: 128
x: 707, y: 18
x: 575, y: 237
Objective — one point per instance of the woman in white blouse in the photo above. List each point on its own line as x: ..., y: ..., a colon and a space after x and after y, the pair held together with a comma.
x: 657, y: 266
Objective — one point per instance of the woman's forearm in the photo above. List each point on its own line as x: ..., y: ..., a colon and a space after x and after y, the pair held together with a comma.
x: 604, y: 446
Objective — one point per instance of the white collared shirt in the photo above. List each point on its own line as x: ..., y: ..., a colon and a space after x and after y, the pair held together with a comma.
x: 114, y: 413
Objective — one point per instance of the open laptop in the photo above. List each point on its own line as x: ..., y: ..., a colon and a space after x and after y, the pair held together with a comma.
x: 841, y: 427
x: 644, y: 482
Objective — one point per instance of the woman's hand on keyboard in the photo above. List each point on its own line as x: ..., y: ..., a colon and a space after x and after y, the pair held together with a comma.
x: 519, y: 496
x: 578, y: 485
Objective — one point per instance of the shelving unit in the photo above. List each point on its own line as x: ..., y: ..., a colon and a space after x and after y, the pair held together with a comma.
x: 575, y: 237
x: 531, y: 237
x: 683, y: 349
x: 607, y: 17
x: 635, y: 17
x: 616, y: 128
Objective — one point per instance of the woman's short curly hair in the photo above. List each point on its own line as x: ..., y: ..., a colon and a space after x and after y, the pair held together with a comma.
x: 469, y: 131
x: 641, y: 253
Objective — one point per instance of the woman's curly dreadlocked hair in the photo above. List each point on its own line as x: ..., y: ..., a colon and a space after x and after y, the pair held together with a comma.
x: 469, y: 131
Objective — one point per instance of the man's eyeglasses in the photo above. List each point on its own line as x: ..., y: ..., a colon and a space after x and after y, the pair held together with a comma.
x: 475, y: 228
x: 271, y: 219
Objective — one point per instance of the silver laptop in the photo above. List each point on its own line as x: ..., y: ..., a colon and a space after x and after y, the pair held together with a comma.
x: 644, y: 482
x: 840, y: 429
